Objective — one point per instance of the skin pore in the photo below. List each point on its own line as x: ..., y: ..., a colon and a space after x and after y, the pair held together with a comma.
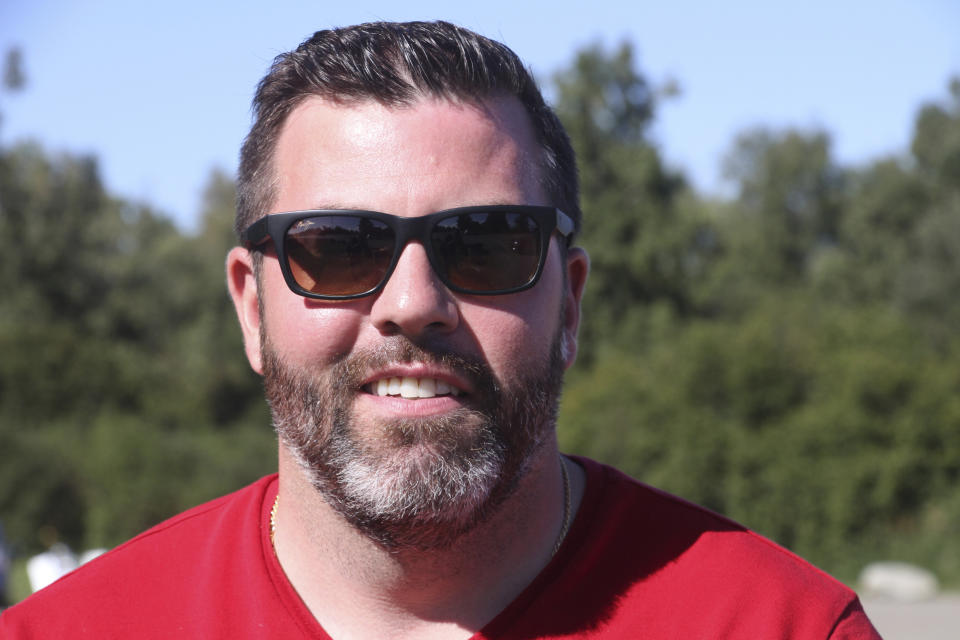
x: 404, y: 517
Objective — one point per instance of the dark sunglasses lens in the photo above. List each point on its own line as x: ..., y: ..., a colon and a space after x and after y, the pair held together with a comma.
x: 339, y: 255
x: 492, y: 251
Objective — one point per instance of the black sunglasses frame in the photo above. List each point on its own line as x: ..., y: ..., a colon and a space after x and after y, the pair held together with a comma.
x: 274, y: 226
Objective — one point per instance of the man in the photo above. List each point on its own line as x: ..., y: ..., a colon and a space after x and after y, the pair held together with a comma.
x: 409, y: 290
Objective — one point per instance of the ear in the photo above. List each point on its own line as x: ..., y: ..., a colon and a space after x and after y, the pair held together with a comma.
x: 578, y: 267
x: 242, y: 284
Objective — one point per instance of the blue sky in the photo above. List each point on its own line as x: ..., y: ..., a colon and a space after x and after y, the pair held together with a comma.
x: 160, y: 92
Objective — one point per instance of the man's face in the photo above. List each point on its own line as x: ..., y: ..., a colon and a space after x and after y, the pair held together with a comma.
x: 411, y: 471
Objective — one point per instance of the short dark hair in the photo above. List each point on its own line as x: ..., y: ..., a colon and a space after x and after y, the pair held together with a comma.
x: 394, y: 64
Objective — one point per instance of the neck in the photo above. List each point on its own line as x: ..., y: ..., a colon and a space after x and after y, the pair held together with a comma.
x: 356, y: 588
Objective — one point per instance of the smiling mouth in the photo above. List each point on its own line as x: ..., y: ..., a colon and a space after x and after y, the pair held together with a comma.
x: 411, y: 388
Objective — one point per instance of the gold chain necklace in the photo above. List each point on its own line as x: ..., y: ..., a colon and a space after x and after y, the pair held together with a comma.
x: 273, y: 521
x: 566, y: 505
x: 556, y: 547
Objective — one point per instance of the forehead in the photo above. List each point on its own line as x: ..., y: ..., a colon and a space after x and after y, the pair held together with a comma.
x: 430, y: 155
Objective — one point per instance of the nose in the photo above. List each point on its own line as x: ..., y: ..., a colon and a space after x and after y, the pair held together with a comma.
x: 414, y: 301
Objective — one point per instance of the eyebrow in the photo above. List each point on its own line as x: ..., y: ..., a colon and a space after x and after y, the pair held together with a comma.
x: 337, y: 206
x: 343, y: 206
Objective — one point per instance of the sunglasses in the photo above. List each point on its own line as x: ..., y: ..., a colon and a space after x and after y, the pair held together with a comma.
x: 337, y: 254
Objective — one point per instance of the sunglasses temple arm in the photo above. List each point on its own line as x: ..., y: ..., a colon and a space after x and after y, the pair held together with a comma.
x: 565, y: 226
x: 255, y: 234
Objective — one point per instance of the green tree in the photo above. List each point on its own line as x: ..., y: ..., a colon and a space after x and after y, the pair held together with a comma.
x: 643, y: 240
x: 813, y: 392
x: 122, y: 366
x: 789, y: 202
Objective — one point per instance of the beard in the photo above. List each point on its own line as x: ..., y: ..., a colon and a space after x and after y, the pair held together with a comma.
x: 414, y: 483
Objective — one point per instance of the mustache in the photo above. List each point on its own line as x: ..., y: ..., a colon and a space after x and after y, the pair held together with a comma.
x: 400, y: 349
x: 350, y: 369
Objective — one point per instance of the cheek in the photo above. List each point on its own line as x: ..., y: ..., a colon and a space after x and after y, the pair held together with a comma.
x: 306, y: 332
x: 529, y: 345
x: 308, y: 337
x: 519, y: 334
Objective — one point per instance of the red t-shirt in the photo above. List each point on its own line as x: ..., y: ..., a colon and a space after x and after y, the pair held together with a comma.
x: 637, y: 563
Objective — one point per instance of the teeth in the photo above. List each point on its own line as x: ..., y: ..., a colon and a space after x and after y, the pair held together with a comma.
x: 427, y: 388
x: 413, y: 387
x: 410, y: 388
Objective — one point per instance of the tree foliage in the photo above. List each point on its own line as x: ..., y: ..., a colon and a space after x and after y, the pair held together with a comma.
x: 808, y: 384
x: 640, y: 236
x: 120, y: 363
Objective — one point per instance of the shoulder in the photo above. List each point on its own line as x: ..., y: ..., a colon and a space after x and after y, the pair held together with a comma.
x: 157, y: 569
x: 182, y: 537
x: 674, y: 528
x: 661, y: 556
